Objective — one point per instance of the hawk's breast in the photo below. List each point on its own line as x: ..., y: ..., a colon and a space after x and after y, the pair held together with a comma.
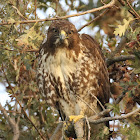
x: 61, y: 65
x: 57, y: 70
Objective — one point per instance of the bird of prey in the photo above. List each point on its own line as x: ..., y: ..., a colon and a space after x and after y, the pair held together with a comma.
x: 72, y: 74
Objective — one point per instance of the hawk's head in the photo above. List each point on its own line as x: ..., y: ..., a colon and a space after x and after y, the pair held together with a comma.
x: 62, y: 33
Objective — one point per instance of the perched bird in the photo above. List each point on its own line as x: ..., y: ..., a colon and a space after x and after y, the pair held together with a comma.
x: 72, y: 74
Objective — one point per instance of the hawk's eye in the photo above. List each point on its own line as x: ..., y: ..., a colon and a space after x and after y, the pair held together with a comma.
x: 71, y: 31
x: 54, y: 29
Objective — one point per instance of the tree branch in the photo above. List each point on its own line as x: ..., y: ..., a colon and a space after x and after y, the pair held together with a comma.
x: 136, y: 14
x: 106, y: 111
x: 111, y: 61
x: 21, y: 105
x: 95, y: 117
x: 114, y: 118
x: 111, y: 4
x: 106, y: 119
x: 12, y: 123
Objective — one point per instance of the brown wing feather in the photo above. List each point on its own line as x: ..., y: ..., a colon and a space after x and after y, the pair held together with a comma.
x: 103, y: 78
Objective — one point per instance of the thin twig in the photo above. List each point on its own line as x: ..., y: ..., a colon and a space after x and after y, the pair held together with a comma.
x: 106, y: 111
x: 56, y: 7
x: 98, y: 101
x: 19, y: 13
x: 87, y: 104
x: 96, y: 18
x: 89, y: 128
x: 111, y: 4
x: 35, y: 3
x: 21, y: 105
x: 137, y: 15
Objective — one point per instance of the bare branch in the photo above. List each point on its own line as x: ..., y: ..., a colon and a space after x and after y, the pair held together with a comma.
x: 109, y: 5
x: 12, y: 123
x: 114, y: 118
x: 111, y: 61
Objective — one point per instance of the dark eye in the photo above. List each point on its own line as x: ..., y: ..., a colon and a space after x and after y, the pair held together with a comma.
x: 54, y: 29
x: 71, y: 32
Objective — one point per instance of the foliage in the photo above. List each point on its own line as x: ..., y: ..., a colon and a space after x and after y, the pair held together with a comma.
x: 18, y: 62
x: 122, y: 28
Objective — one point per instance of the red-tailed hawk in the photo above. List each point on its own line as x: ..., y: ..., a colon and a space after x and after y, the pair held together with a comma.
x: 72, y: 73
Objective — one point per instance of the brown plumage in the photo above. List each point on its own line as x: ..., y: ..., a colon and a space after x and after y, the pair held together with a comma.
x: 72, y: 73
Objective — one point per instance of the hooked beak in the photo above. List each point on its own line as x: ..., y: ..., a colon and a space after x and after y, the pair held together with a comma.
x: 62, y: 35
x: 62, y: 39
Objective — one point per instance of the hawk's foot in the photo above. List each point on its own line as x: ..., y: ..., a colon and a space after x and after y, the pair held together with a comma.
x: 75, y: 118
x: 73, y: 128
